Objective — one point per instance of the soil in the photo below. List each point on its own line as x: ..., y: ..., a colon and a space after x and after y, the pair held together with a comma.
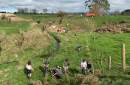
x: 115, y: 28
x: 56, y: 28
x: 12, y: 17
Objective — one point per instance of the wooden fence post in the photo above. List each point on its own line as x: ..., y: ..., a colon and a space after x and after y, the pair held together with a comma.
x: 110, y: 63
x: 93, y: 70
x: 123, y: 57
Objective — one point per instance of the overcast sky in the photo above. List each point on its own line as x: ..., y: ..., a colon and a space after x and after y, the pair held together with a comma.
x: 56, y: 5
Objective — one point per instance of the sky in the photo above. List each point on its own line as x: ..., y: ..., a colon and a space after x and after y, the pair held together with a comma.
x: 56, y: 5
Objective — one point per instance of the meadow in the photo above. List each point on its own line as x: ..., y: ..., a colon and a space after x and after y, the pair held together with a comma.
x: 95, y: 47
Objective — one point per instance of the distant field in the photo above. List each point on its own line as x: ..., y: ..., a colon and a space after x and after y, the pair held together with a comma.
x: 73, y: 21
x: 77, y: 18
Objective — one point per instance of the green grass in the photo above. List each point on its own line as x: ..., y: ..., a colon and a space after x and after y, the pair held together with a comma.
x: 39, y: 17
x: 75, y: 21
x: 103, y: 46
x: 15, y: 70
x: 110, y: 19
x: 13, y: 27
x: 94, y: 47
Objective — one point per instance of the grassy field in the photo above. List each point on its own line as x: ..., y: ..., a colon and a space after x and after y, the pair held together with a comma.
x: 94, y: 47
x: 8, y: 28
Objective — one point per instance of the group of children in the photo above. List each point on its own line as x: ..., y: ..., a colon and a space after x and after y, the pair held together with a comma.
x: 58, y: 72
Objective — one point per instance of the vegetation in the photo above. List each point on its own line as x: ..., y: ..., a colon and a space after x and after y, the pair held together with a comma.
x: 126, y: 12
x: 95, y: 47
x: 9, y: 27
x: 99, y: 7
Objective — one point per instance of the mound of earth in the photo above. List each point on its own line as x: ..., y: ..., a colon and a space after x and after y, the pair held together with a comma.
x: 56, y: 28
x: 115, y: 28
x: 11, y: 17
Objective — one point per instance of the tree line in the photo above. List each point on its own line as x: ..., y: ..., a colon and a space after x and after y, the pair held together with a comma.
x: 32, y: 11
x: 98, y: 7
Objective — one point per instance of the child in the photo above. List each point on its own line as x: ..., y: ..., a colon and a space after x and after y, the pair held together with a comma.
x: 29, y: 69
x: 83, y: 66
x: 45, y: 66
x: 66, y: 66
x: 57, y: 72
x: 89, y: 66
